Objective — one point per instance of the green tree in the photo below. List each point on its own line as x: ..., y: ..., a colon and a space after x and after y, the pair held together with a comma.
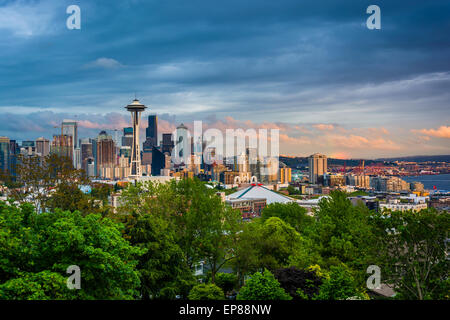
x: 266, y: 244
x: 226, y: 281
x: 102, y: 191
x: 292, y: 190
x: 163, y: 271
x: 299, y: 283
x: 340, y: 285
x: 69, y: 197
x: 36, y: 177
x: 206, y: 292
x: 262, y: 286
x: 206, y: 229
x: 291, y: 213
x: 412, y: 252
x: 342, y: 233
x: 44, y: 285
x: 39, y: 248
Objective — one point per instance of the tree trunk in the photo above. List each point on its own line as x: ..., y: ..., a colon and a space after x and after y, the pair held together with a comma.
x: 213, y: 273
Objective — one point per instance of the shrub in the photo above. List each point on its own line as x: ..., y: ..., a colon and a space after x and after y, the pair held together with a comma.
x: 206, y: 292
x: 300, y: 284
x: 340, y: 286
x: 263, y: 286
x: 226, y: 281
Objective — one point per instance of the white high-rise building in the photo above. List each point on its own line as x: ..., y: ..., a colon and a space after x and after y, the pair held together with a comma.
x: 182, y: 150
x: 77, y: 158
x: 70, y: 128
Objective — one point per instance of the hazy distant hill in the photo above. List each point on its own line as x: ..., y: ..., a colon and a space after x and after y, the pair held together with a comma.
x: 294, y: 162
x: 442, y: 158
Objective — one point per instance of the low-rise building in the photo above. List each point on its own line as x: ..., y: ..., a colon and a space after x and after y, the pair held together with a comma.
x: 249, y: 207
x: 397, y: 205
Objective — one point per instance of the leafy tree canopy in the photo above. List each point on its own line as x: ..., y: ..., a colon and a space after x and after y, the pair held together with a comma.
x: 39, y: 248
x: 340, y: 285
x: 342, y: 233
x: 266, y: 244
x: 226, y: 281
x: 291, y: 213
x: 300, y: 284
x: 206, y: 292
x: 412, y: 252
x: 262, y: 286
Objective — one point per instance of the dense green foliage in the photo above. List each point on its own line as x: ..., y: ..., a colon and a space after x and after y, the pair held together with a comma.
x: 36, y: 249
x: 226, y: 281
x: 266, y: 244
x: 263, y: 286
x: 412, y: 252
x: 148, y: 247
x: 340, y: 285
x: 163, y: 270
x: 300, y: 284
x: 291, y: 213
x: 206, y: 292
x: 342, y: 233
x: 202, y: 226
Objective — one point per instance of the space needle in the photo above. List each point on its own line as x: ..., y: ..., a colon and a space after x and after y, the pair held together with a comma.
x: 136, y: 109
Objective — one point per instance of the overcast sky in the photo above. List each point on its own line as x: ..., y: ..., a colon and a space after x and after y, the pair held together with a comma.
x: 310, y: 68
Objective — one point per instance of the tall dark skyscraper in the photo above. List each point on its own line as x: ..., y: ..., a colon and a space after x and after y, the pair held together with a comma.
x: 167, y: 143
x: 4, y: 154
x: 152, y: 129
x: 158, y: 161
x: 151, y: 133
x: 13, y: 151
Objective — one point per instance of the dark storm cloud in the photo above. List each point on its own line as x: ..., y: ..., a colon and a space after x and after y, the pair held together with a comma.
x: 288, y: 60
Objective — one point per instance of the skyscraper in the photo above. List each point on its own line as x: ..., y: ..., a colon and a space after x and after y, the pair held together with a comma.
x: 182, y: 149
x: 284, y: 173
x: 135, y: 108
x: 317, y: 167
x: 151, y: 133
x: 62, y: 146
x: 14, y: 150
x: 4, y: 154
x: 158, y: 161
x: 167, y: 143
x: 127, y: 138
x: 87, y: 155
x: 42, y: 146
x: 94, y: 154
x: 70, y: 128
x: 106, y: 155
x: 77, y: 158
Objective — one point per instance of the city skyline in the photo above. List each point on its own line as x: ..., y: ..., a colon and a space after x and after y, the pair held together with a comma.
x: 327, y: 82
x: 88, y: 129
x: 224, y: 156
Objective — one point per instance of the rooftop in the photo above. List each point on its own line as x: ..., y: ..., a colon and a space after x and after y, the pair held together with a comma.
x: 259, y: 192
x: 136, y: 105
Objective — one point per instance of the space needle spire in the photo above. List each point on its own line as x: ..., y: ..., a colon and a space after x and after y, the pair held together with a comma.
x: 135, y: 108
